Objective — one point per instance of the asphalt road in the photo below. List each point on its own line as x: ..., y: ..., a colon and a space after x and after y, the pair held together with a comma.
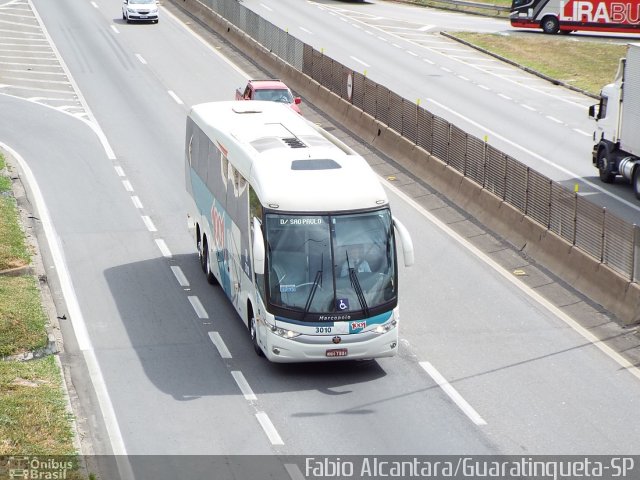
x: 143, y: 333
x: 540, y: 124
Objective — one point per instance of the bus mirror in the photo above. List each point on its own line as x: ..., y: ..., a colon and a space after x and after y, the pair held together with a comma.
x: 405, y: 239
x: 592, y: 111
x: 258, y: 248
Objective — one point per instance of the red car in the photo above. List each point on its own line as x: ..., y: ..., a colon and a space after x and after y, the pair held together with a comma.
x: 270, y: 90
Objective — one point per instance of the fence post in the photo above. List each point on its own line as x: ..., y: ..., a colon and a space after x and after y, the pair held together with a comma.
x: 635, y: 261
x: 526, y: 192
x: 602, y: 236
x: 575, y: 218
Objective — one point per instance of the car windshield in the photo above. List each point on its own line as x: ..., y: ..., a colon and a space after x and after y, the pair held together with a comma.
x: 274, y: 95
x: 331, y: 263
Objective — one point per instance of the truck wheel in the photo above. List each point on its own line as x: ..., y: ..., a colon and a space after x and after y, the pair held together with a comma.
x: 254, y: 334
x: 550, y: 25
x: 605, y: 167
x: 636, y: 182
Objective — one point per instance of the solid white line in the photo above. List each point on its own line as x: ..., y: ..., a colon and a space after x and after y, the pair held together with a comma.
x: 586, y: 334
x: 269, y: 429
x: 141, y: 59
x: 175, y: 97
x: 119, y: 170
x: 220, y: 345
x: 197, y: 306
x: 136, y: 202
x: 180, y: 277
x: 453, y: 394
x: 360, y: 61
x: 92, y: 122
x: 162, y: 246
x: 243, y: 385
x: 535, y: 155
x: 76, y: 317
x: 266, y: 8
x: 149, y: 223
x: 127, y: 185
x: 294, y: 471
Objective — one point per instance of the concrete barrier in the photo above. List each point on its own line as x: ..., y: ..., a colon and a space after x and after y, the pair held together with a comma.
x: 593, y: 279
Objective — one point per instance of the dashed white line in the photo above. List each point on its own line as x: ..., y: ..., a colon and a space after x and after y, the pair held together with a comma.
x: 141, y: 59
x: 175, y: 97
x: 119, y: 171
x: 136, y: 202
x: 396, y: 45
x: 198, y: 307
x: 149, y: 223
x: 127, y: 185
x: 266, y: 7
x: 180, y: 277
x: 164, y: 249
x: 453, y: 394
x: 306, y: 30
x: 430, y: 62
x: 506, y: 97
x: 382, y: 39
x: 269, y: 429
x: 360, y: 61
x: 582, y: 132
x: 115, y: 30
x: 462, y: 77
x: 484, y: 87
x: 220, y: 345
x: 445, y: 69
x: 243, y: 385
x: 528, y: 107
x: 411, y: 53
x: 94, y: 4
x: 553, y: 119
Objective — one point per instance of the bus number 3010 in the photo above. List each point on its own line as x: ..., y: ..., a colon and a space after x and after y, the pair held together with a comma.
x: 323, y: 329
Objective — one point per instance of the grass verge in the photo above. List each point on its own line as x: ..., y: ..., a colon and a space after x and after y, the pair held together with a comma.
x: 34, y: 419
x: 585, y: 65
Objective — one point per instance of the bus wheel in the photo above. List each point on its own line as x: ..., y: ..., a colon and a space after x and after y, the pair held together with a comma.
x: 253, y: 331
x: 636, y: 181
x: 605, y: 167
x: 203, y: 251
x: 550, y: 25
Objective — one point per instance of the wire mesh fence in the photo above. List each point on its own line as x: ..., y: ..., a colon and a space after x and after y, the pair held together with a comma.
x: 589, y: 227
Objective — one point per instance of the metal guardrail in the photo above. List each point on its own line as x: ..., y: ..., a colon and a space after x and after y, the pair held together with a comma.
x: 600, y: 234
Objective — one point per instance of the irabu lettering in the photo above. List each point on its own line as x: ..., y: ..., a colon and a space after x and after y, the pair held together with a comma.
x: 601, y: 12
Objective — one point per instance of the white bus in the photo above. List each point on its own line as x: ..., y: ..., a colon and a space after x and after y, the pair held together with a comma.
x: 296, y: 228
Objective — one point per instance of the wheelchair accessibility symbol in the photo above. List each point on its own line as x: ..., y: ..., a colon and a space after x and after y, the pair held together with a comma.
x: 343, y: 304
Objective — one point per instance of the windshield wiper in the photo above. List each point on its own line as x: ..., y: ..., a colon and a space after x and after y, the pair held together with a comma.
x: 316, y: 281
x: 355, y: 283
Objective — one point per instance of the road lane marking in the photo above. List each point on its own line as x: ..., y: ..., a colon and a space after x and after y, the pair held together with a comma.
x: 453, y: 394
x: 220, y: 345
x: 243, y: 385
x: 180, y: 276
x: 198, y: 307
x: 586, y: 334
x: 175, y: 97
x: 360, y: 61
x: 294, y: 471
x: 149, y: 223
x: 141, y: 59
x: 119, y: 171
x: 306, y: 30
x: 127, y: 185
x: 506, y: 97
x: 528, y: 107
x: 77, y: 319
x: 535, y: 155
x: 554, y: 119
x: 582, y: 132
x: 162, y: 246
x: 266, y: 7
x: 136, y: 202
x: 269, y: 429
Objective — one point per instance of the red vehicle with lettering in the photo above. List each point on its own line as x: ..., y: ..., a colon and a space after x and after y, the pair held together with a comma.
x: 273, y: 90
x: 566, y: 16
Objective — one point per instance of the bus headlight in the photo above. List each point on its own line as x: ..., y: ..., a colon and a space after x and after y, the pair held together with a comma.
x: 281, y: 332
x: 386, y: 327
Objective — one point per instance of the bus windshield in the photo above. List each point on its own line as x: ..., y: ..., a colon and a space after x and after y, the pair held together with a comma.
x: 325, y: 264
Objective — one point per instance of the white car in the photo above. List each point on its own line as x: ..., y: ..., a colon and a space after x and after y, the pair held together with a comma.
x: 140, y: 11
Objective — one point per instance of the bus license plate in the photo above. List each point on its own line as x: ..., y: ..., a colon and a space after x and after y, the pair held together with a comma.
x: 337, y: 352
